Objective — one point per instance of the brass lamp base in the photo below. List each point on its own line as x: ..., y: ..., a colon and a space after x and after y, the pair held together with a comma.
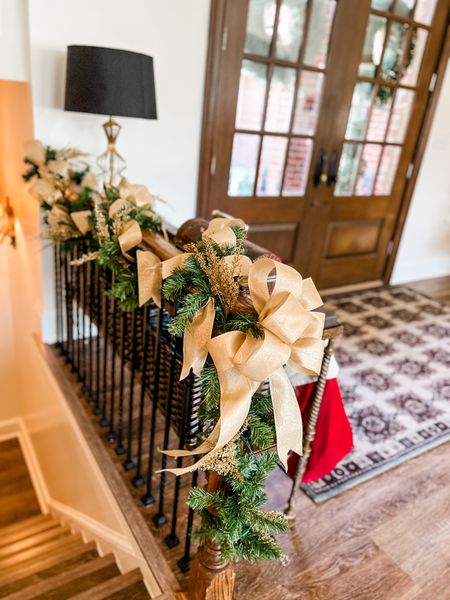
x: 111, y: 163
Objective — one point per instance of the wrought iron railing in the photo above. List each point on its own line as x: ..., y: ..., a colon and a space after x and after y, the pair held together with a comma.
x: 129, y: 367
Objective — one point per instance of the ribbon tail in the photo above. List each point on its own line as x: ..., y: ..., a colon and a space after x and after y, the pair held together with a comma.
x: 149, y: 277
x: 204, y: 448
x: 196, y: 338
x: 288, y: 419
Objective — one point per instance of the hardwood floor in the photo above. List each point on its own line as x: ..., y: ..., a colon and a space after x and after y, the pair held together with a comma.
x: 17, y: 498
x: 438, y: 288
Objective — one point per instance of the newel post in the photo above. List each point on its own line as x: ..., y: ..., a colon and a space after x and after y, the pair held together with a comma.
x: 211, y: 577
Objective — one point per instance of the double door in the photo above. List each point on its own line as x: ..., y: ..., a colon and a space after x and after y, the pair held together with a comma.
x: 313, y: 112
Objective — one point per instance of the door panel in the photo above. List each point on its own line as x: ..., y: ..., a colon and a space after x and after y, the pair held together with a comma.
x: 312, y: 129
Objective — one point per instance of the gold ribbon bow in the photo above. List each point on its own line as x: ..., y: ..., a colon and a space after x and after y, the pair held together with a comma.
x: 220, y: 231
x: 291, y: 334
x: 152, y: 272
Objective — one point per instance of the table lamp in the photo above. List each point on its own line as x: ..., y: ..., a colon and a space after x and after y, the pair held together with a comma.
x: 110, y: 82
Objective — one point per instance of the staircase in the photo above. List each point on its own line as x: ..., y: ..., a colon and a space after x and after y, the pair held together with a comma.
x: 42, y: 559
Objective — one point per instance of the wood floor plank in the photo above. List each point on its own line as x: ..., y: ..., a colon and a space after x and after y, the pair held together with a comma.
x: 33, y: 541
x: 425, y: 528
x: 31, y: 554
x: 46, y: 566
x: 23, y: 524
x: 18, y: 500
x: 59, y: 580
x: 39, y: 526
x: 114, y: 585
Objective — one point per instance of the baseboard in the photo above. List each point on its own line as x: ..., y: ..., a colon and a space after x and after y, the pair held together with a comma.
x: 90, y: 526
x: 414, y: 270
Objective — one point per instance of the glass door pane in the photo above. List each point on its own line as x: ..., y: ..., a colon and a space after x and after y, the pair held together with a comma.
x: 282, y: 74
x: 383, y: 98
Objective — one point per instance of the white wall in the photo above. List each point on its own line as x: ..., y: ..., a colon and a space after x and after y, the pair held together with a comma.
x: 14, y: 42
x: 162, y: 154
x: 425, y: 247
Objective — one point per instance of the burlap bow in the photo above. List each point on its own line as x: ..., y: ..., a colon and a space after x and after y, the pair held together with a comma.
x: 291, y: 334
x: 152, y: 272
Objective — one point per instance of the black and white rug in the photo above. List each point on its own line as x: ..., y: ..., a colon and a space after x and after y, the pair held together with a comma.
x: 394, y: 376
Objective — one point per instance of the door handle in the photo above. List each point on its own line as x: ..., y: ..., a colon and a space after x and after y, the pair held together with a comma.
x: 320, y: 175
x: 332, y: 168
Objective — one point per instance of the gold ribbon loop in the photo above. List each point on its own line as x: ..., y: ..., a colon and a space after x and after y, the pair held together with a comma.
x: 130, y: 237
x: 220, y: 231
x: 81, y: 220
x: 34, y: 150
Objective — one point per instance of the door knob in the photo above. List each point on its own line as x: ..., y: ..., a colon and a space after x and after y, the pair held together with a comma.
x: 320, y: 175
x: 332, y: 169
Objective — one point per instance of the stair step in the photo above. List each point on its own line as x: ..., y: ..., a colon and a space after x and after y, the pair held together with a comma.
x: 31, y: 554
x: 47, y: 566
x: 15, y: 536
x: 33, y: 541
x: 9, y: 529
x: 79, y: 578
x: 108, y: 588
x: 136, y: 591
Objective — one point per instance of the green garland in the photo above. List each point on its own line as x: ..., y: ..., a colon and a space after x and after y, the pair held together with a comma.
x: 108, y: 254
x: 232, y: 516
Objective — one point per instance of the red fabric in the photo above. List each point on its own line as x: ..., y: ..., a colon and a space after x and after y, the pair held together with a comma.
x: 334, y: 437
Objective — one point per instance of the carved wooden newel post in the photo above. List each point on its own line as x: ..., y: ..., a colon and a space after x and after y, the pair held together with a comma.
x: 211, y: 578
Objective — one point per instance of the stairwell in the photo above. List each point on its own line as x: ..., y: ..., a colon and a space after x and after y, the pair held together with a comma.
x: 40, y: 558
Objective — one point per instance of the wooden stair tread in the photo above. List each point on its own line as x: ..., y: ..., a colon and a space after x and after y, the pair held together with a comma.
x: 108, y: 588
x: 33, y: 541
x: 31, y: 554
x: 136, y: 591
x: 15, y: 536
x: 55, y: 583
x: 15, y: 527
x: 48, y: 565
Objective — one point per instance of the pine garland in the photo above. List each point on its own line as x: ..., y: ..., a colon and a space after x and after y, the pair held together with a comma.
x: 106, y: 231
x: 232, y: 516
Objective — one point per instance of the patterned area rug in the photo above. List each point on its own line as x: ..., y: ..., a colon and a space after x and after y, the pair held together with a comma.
x: 394, y: 376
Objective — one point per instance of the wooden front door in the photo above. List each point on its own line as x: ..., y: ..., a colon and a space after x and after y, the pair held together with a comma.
x: 313, y: 110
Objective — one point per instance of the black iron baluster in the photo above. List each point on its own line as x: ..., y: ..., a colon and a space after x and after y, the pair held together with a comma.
x: 120, y: 448
x: 138, y: 480
x: 69, y: 311
x: 83, y: 326
x: 128, y: 462
x: 160, y: 518
x: 57, y: 294
x: 111, y: 435
x: 65, y: 285
x: 104, y: 421
x: 76, y: 271
x: 89, y: 385
x: 172, y: 539
x: 185, y: 560
x: 100, y: 300
x: 148, y: 497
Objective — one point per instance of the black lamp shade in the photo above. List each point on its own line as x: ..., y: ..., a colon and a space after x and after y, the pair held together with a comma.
x: 112, y: 82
